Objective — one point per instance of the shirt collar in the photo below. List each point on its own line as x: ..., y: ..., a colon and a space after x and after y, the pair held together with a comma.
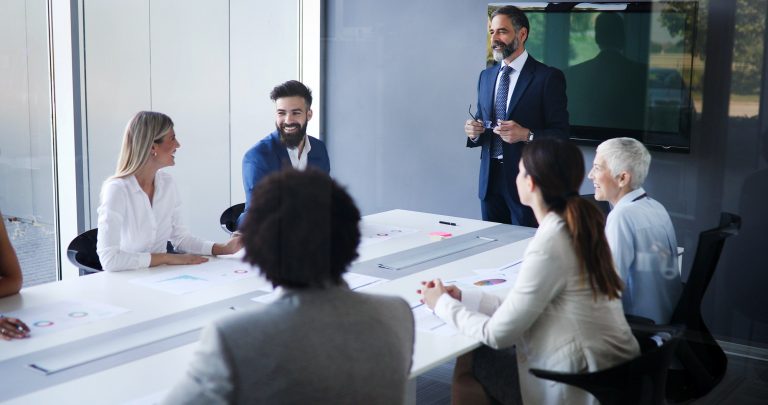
x: 630, y: 196
x: 519, y: 62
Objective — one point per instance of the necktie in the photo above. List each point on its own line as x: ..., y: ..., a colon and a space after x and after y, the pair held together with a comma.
x: 501, y: 108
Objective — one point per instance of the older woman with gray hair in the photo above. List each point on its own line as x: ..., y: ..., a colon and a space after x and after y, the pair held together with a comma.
x: 140, y: 207
x: 638, y: 229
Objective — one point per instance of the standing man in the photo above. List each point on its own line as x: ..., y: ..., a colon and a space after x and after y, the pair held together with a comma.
x: 518, y: 100
x: 288, y: 145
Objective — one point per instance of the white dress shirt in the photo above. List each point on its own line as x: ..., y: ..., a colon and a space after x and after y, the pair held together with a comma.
x: 644, y: 248
x: 299, y: 162
x: 130, y: 228
x: 551, y: 315
x: 517, y: 66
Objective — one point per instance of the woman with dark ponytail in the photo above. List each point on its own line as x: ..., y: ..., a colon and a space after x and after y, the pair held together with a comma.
x: 564, y: 312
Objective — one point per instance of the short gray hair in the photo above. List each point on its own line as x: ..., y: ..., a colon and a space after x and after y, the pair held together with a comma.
x: 626, y: 155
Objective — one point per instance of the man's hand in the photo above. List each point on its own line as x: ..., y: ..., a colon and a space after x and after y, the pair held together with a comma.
x: 511, y: 132
x: 473, y: 129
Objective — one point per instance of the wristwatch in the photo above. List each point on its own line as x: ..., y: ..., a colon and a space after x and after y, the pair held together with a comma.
x: 530, y: 136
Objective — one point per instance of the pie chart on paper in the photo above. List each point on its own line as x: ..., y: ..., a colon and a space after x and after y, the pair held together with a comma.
x: 490, y: 281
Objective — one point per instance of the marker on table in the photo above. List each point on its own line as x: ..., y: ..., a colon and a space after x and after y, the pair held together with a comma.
x: 447, y: 223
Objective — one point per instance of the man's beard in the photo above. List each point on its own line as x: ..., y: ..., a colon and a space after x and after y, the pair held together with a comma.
x: 506, y: 51
x: 293, y: 139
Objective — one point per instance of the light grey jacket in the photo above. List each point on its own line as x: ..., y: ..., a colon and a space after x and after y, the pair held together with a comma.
x: 313, y: 346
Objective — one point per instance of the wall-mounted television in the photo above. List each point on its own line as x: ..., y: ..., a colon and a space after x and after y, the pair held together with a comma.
x: 628, y: 66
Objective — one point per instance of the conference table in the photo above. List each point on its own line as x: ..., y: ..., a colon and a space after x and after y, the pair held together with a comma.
x: 127, y: 337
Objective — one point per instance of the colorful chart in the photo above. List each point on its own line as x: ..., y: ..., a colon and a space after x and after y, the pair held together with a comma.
x: 490, y: 281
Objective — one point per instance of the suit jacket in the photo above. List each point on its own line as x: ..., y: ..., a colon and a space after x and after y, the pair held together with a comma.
x: 538, y: 102
x: 552, y: 317
x: 311, y: 346
x: 270, y: 155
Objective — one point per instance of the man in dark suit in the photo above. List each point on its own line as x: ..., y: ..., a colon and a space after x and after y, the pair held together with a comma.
x: 289, y: 145
x: 518, y: 100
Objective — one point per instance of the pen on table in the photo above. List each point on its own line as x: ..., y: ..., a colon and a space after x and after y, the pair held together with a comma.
x: 447, y: 223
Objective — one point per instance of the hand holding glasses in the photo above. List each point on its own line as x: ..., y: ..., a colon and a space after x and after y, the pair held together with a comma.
x: 486, y: 124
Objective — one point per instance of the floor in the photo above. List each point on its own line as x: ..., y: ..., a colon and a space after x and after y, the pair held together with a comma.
x: 745, y: 382
x: 35, y: 246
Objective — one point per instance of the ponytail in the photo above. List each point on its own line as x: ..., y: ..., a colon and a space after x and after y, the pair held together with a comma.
x: 586, y: 225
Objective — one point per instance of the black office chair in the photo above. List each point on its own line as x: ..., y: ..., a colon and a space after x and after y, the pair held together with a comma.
x: 704, y: 362
x: 603, y: 206
x: 82, y: 252
x: 228, y: 219
x: 641, y: 380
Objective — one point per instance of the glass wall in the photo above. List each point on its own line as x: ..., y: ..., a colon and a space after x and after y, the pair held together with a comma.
x: 26, y: 163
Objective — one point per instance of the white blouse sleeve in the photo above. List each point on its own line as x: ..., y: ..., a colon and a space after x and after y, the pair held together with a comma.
x: 540, y: 280
x: 181, y: 238
x: 112, y: 215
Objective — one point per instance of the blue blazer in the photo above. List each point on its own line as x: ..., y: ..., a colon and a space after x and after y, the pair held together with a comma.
x: 538, y: 102
x: 270, y: 155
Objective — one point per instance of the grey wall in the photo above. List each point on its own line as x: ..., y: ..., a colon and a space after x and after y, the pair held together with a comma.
x: 400, y: 74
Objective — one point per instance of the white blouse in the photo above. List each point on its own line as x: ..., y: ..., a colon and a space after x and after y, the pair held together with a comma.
x: 130, y: 228
x: 550, y: 315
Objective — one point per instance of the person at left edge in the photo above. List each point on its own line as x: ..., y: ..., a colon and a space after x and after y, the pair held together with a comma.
x: 10, y: 283
x: 140, y: 207
x: 535, y: 107
x: 288, y: 145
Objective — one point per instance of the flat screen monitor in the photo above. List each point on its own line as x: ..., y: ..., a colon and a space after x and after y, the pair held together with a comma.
x: 628, y: 67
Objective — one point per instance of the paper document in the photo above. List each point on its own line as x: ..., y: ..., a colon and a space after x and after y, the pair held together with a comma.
x: 58, y: 316
x: 371, y: 233
x: 361, y: 281
x: 204, y: 276
x: 427, y: 321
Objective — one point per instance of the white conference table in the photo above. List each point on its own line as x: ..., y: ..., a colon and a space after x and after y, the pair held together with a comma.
x: 140, y: 379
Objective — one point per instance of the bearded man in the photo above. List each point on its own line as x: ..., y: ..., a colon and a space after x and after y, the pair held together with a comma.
x: 519, y: 99
x: 289, y: 145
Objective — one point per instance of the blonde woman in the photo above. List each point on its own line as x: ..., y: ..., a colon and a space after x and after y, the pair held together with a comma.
x: 140, y: 207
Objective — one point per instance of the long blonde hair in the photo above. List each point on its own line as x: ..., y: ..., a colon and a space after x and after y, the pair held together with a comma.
x: 144, y: 129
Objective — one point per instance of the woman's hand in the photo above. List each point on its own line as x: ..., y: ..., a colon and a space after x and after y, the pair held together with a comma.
x: 232, y: 246
x: 12, y: 328
x: 432, y: 290
x: 185, y: 259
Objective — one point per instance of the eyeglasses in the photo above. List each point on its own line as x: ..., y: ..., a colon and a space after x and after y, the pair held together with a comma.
x: 486, y: 124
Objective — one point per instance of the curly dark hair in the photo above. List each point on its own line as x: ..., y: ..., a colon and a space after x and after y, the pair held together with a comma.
x: 301, y: 229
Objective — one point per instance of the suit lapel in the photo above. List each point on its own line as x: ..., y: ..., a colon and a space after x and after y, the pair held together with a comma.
x: 490, y: 92
x: 525, y: 78
x: 280, y: 150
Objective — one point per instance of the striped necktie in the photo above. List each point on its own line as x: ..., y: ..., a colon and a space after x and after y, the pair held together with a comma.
x: 501, y: 108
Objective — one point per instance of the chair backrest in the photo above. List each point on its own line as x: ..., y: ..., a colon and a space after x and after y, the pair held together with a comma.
x: 228, y: 219
x: 603, y: 206
x: 641, y: 380
x: 82, y: 252
x: 704, y: 362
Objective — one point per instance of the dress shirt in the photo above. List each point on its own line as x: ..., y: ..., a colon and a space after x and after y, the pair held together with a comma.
x: 131, y: 228
x: 644, y: 249
x: 552, y: 317
x: 517, y: 66
x: 299, y: 162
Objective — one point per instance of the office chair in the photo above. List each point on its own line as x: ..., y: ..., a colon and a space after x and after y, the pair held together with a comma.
x: 228, y: 219
x: 641, y: 380
x: 704, y: 362
x: 603, y: 206
x: 82, y: 252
